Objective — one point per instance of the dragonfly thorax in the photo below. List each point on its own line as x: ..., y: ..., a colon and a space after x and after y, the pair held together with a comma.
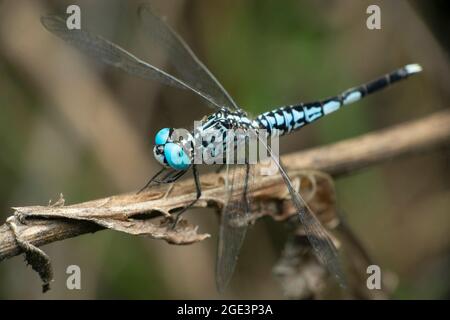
x: 176, y: 148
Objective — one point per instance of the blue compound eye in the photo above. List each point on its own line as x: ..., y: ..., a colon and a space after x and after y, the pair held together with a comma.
x: 162, y: 136
x: 158, y: 152
x: 176, y: 156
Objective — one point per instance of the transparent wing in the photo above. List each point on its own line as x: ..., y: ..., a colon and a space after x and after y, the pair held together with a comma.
x: 190, y: 68
x: 318, y: 237
x: 111, y: 54
x: 233, y: 225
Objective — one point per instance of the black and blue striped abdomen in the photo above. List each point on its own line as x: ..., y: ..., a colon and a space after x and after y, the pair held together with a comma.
x: 286, y: 119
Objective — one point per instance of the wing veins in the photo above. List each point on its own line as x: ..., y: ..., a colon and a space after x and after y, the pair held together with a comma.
x: 112, y: 54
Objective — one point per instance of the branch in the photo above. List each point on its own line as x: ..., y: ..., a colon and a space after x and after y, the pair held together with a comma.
x: 40, y: 225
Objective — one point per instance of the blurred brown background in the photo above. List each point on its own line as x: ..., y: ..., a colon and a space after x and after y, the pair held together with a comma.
x: 73, y: 126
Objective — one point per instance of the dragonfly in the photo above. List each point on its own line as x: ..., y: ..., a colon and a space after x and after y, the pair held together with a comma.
x: 176, y: 154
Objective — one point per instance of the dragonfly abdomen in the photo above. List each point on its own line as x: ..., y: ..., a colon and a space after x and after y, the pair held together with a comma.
x: 289, y: 118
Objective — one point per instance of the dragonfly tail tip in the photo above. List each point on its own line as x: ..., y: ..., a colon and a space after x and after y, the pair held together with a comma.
x: 413, y: 68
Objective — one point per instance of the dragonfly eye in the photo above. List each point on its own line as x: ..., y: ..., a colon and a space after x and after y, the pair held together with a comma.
x: 158, y: 152
x: 162, y: 136
x: 176, y: 157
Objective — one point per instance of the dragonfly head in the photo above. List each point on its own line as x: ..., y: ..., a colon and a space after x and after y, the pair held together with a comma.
x: 171, y: 151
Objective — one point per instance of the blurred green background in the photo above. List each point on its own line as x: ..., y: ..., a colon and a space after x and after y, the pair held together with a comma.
x: 70, y: 125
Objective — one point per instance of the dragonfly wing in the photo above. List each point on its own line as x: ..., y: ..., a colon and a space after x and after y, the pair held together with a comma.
x: 112, y: 54
x: 323, y: 246
x: 233, y: 225
x: 189, y: 67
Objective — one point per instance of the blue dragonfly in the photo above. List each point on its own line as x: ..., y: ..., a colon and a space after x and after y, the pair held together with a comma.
x: 176, y: 154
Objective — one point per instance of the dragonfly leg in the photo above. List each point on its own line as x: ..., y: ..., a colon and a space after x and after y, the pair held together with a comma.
x: 247, y: 173
x: 153, y: 179
x: 170, y: 178
x: 199, y: 193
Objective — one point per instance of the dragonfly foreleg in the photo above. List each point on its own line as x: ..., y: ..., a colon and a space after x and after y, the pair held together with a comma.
x: 198, y: 195
x: 153, y: 179
x: 171, y: 177
x: 247, y: 174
